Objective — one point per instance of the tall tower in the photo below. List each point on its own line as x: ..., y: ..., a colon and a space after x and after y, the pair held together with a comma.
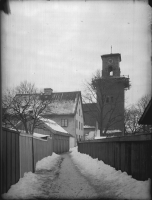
x: 110, y: 89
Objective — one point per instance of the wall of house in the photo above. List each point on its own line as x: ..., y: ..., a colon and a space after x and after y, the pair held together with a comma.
x: 71, y: 123
x: 79, y: 122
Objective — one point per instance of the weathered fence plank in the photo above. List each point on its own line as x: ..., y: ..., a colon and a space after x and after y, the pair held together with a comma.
x: 25, y: 154
x: 61, y: 143
x: 10, y: 158
x: 131, y: 154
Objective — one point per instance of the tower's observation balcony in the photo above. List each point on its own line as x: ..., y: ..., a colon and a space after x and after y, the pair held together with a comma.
x: 111, y: 80
x: 121, y: 79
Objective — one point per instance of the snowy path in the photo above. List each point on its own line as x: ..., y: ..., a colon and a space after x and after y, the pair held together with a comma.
x: 77, y: 176
x: 70, y: 182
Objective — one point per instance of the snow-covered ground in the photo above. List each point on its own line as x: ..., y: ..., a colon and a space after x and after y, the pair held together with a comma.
x: 29, y: 186
x: 48, y: 163
x: 99, y: 178
x: 119, y: 183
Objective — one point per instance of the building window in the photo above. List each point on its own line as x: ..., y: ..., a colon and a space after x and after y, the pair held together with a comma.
x: 79, y: 112
x: 76, y: 123
x: 79, y: 125
x: 107, y: 100
x: 64, y: 122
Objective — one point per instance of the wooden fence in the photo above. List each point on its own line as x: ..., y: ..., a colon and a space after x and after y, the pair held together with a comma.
x: 61, y: 143
x: 16, y: 154
x: 10, y: 159
x: 131, y: 154
x: 42, y: 148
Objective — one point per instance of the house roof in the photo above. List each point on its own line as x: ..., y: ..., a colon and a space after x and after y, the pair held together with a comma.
x: 62, y: 103
x: 90, y: 114
x: 147, y: 115
x: 52, y: 125
x: 87, y: 107
x: 111, y: 55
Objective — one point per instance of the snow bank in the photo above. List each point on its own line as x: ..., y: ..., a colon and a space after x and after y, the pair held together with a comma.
x: 48, y: 163
x: 123, y: 185
x: 29, y: 186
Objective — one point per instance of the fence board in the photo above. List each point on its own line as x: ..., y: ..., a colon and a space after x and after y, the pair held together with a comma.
x: 13, y: 160
x: 122, y: 159
x: 9, y: 157
x: 135, y: 158
x: 131, y: 154
x: 25, y: 154
x: 17, y: 157
x: 4, y: 161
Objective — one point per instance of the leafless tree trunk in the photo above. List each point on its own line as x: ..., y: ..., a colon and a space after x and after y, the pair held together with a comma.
x: 24, y: 106
x: 133, y: 114
x: 22, y: 109
x: 96, y: 92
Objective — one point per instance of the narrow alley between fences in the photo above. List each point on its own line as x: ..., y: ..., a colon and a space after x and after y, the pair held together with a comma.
x: 74, y: 175
x: 67, y: 181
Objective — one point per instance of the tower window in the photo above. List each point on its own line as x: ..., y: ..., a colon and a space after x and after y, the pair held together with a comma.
x: 107, y: 100
x: 112, y: 99
x: 110, y: 69
x: 111, y: 73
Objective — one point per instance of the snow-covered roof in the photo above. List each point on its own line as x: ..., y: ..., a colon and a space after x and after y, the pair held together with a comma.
x: 63, y: 103
x: 53, y: 125
x: 113, y: 131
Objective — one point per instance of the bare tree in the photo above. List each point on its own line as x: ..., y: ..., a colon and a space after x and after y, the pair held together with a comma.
x: 133, y: 114
x: 23, y: 107
x: 96, y: 92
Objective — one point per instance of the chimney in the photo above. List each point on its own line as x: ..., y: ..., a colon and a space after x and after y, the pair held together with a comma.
x: 48, y: 91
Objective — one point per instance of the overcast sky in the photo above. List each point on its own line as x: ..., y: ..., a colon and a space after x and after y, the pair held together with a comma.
x: 59, y: 44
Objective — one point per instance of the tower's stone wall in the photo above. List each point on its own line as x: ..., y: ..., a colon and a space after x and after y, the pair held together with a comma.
x: 110, y: 93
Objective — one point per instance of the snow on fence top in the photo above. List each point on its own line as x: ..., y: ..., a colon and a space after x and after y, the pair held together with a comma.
x: 40, y: 135
x: 87, y: 126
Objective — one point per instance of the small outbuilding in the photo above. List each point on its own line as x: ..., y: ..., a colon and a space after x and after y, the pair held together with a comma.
x: 146, y: 118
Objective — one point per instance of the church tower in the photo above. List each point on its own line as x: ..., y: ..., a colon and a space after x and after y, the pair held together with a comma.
x: 110, y: 89
x: 110, y: 65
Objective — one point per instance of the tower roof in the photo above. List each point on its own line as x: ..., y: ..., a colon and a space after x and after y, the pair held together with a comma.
x: 112, y: 54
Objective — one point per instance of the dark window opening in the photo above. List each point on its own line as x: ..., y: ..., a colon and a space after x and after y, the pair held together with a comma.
x: 64, y: 122
x: 110, y: 71
x: 112, y: 99
x: 107, y: 100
